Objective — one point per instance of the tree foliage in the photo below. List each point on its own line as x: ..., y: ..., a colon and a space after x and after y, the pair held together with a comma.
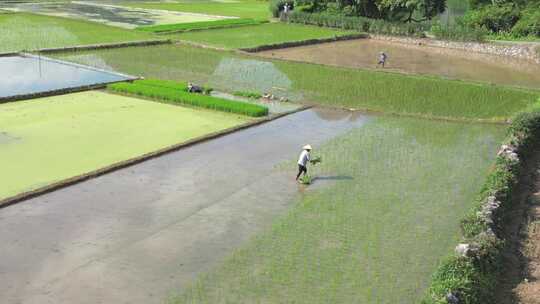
x: 393, y: 10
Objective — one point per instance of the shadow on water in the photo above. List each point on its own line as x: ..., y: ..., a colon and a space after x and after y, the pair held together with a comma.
x: 332, y: 178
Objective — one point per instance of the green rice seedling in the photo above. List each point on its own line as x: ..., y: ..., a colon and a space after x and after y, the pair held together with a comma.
x: 252, y: 95
x: 257, y: 35
x: 21, y: 31
x: 386, y: 210
x: 180, y: 96
x: 306, y: 179
x: 317, y: 84
x: 177, y: 85
x: 202, y: 25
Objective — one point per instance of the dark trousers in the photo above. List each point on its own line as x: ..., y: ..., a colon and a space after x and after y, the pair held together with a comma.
x: 301, y: 169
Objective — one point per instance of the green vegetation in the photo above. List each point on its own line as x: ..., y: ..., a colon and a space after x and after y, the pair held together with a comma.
x: 253, y: 95
x: 473, y: 278
x: 176, y: 95
x: 240, y: 8
x: 203, y: 25
x: 389, y: 10
x: 50, y: 139
x: 382, y: 209
x: 518, y: 19
x: 375, y: 26
x: 29, y: 32
x: 325, y: 85
x: 252, y: 36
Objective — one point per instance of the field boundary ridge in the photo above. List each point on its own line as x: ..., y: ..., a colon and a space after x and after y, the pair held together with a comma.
x: 284, y: 45
x: 472, y: 273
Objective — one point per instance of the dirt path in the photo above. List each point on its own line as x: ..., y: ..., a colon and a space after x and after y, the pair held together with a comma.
x: 137, y: 234
x: 521, y: 283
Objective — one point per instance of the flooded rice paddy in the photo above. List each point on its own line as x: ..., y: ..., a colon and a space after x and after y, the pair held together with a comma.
x: 413, y: 59
x: 109, y: 14
x: 28, y: 74
x: 151, y: 229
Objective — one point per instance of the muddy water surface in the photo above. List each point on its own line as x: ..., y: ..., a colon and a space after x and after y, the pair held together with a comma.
x: 414, y: 59
x: 137, y: 234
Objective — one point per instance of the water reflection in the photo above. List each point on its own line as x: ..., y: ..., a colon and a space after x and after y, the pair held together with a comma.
x: 29, y: 75
x: 252, y: 75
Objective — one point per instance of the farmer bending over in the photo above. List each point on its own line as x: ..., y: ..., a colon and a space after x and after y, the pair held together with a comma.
x: 303, y: 161
x: 382, y: 59
x: 193, y: 88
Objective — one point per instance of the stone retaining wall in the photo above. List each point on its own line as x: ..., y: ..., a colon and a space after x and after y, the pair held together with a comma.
x: 528, y: 51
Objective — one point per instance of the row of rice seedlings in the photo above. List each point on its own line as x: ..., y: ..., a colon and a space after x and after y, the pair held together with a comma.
x: 252, y: 95
x: 177, y: 93
x: 202, y: 25
x: 374, y: 237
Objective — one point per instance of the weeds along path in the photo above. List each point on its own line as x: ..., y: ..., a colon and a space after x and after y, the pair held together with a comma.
x: 521, y: 283
x: 134, y: 235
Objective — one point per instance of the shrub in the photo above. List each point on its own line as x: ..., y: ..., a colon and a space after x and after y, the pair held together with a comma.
x: 176, y: 95
x: 459, y: 32
x: 496, y: 18
x: 276, y: 6
x: 529, y: 24
x: 202, y: 25
x: 375, y: 26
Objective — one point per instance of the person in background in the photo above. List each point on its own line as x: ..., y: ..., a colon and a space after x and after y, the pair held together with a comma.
x: 382, y: 59
x: 303, y: 160
x: 194, y: 89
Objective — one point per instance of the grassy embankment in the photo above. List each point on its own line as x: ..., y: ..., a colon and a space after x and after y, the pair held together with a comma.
x: 252, y: 36
x: 21, y: 31
x: 330, y: 86
x: 177, y: 93
x: 388, y: 209
x: 202, y: 25
x: 242, y: 8
x: 87, y: 131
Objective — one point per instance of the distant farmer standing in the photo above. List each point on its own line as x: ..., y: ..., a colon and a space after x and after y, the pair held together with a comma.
x: 382, y: 59
x: 303, y: 161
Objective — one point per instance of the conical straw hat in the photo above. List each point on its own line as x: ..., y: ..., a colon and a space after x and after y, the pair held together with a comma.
x: 307, y: 147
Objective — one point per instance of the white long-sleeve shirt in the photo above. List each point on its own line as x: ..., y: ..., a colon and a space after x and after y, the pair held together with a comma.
x: 304, y: 158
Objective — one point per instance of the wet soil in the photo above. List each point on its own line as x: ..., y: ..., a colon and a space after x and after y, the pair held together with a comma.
x: 137, y: 234
x: 414, y: 59
x: 521, y: 282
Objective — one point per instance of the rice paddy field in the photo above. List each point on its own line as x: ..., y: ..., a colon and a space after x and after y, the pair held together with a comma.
x: 224, y: 221
x: 22, y: 31
x: 251, y: 36
x: 238, y: 8
x: 383, y: 209
x: 64, y: 136
x: 318, y: 84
